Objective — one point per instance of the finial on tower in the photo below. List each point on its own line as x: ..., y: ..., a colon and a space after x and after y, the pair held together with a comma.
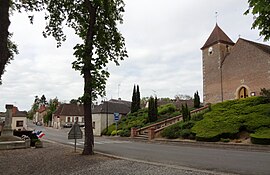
x: 216, y: 16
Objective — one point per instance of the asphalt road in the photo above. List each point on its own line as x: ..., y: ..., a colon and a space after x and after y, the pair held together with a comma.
x: 177, y: 156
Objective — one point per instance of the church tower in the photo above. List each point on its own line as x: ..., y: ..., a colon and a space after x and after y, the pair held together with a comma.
x: 214, y: 51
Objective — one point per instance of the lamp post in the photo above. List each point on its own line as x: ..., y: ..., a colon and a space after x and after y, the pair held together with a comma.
x: 107, y: 110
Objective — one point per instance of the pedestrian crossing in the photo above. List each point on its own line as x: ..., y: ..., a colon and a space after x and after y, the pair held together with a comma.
x: 100, y: 142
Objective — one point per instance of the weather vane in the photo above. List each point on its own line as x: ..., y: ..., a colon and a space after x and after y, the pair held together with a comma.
x: 216, y: 15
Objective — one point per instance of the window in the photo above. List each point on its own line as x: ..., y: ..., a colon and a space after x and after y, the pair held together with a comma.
x: 68, y: 119
x: 19, y: 123
x: 76, y: 119
x: 94, y: 125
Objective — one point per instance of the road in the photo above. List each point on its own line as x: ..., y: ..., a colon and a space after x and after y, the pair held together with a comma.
x: 202, y: 158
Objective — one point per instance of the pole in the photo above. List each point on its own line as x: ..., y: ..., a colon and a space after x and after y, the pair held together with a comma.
x: 75, y: 136
x: 116, y: 127
x: 107, y: 117
x: 75, y: 144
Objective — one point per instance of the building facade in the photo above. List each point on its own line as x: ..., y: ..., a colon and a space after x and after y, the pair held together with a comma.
x: 233, y: 70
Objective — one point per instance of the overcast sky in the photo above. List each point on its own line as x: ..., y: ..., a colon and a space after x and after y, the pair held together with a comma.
x: 163, y: 40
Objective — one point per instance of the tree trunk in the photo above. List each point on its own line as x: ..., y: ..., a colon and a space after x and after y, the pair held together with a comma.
x: 89, y: 137
x: 4, y: 24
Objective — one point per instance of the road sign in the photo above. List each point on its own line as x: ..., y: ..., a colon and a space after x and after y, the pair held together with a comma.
x: 75, y: 132
x: 116, y: 116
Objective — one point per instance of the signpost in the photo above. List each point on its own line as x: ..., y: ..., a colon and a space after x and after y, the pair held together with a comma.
x: 75, y: 133
x: 116, y: 119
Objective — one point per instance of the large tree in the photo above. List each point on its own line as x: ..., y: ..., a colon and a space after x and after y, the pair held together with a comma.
x: 261, y: 11
x: 95, y: 22
x: 7, y: 7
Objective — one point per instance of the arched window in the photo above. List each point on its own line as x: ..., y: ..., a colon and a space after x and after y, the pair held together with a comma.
x: 243, y: 93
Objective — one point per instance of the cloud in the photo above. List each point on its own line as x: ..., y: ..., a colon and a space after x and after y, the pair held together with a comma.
x: 163, y: 39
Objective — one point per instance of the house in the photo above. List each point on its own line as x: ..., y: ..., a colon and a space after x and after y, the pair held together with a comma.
x: 103, y: 114
x: 19, y: 119
x: 233, y: 70
x: 2, y: 117
x: 2, y: 120
x: 68, y: 114
x: 39, y: 115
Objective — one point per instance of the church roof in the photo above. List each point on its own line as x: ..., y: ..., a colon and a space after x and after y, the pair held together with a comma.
x: 217, y: 36
x: 262, y: 47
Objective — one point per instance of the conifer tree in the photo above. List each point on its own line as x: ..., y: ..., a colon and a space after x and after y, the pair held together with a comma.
x: 185, y: 113
x: 133, y: 103
x: 152, y: 109
x: 138, y: 99
x: 196, y: 100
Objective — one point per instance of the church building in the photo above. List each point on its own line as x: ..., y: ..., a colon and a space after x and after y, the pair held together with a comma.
x: 233, y: 70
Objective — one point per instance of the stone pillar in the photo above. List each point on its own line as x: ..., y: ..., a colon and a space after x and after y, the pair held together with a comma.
x: 133, y: 132
x: 7, y: 130
x: 151, y: 133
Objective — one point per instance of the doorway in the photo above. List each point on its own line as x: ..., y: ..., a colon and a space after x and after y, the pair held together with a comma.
x: 243, y: 93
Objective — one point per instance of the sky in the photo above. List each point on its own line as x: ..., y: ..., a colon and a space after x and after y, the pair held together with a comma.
x: 163, y: 40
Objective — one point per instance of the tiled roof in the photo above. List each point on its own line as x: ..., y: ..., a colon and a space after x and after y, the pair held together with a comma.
x: 17, y: 113
x: 42, y: 108
x: 113, y: 106
x: 217, y: 36
x: 262, y: 47
x: 69, y: 110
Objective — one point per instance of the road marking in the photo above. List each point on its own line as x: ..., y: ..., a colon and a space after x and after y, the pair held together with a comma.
x: 99, y: 142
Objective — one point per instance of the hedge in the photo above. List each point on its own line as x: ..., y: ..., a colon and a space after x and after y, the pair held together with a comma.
x: 261, y: 136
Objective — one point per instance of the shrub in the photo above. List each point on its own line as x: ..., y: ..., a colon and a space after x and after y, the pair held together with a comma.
x: 124, y: 133
x: 171, y: 132
x: 186, y: 134
x: 227, y: 118
x: 168, y: 108
x: 261, y: 136
x: 114, y: 132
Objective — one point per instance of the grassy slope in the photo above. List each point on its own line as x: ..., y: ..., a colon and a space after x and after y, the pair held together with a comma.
x: 140, y: 119
x: 228, y: 118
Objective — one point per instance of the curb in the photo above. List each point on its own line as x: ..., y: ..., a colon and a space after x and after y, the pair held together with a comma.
x: 218, y: 145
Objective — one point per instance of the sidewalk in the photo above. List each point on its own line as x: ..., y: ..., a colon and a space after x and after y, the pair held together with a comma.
x: 59, y: 159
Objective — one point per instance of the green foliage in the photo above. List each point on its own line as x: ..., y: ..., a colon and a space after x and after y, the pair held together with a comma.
x: 168, y: 108
x: 171, y: 132
x: 114, y: 132
x: 197, y: 116
x: 196, y: 100
x: 137, y: 120
x: 265, y: 93
x: 261, y: 10
x: 152, y: 110
x: 95, y: 22
x: 227, y: 118
x: 180, y: 129
x: 136, y: 100
x: 261, y: 136
x: 185, y: 113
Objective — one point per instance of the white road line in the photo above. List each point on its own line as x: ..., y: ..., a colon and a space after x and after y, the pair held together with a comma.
x: 99, y: 142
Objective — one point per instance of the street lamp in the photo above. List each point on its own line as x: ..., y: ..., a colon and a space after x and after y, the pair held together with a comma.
x: 107, y: 110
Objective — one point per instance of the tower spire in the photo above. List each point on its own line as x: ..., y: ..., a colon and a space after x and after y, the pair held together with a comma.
x: 216, y: 16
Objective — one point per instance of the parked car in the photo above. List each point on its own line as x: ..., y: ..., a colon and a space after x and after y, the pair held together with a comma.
x: 67, y: 125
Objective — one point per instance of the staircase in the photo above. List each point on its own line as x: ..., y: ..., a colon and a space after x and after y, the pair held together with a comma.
x: 152, y: 131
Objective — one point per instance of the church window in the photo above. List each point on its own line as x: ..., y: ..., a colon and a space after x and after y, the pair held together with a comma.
x: 243, y: 92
